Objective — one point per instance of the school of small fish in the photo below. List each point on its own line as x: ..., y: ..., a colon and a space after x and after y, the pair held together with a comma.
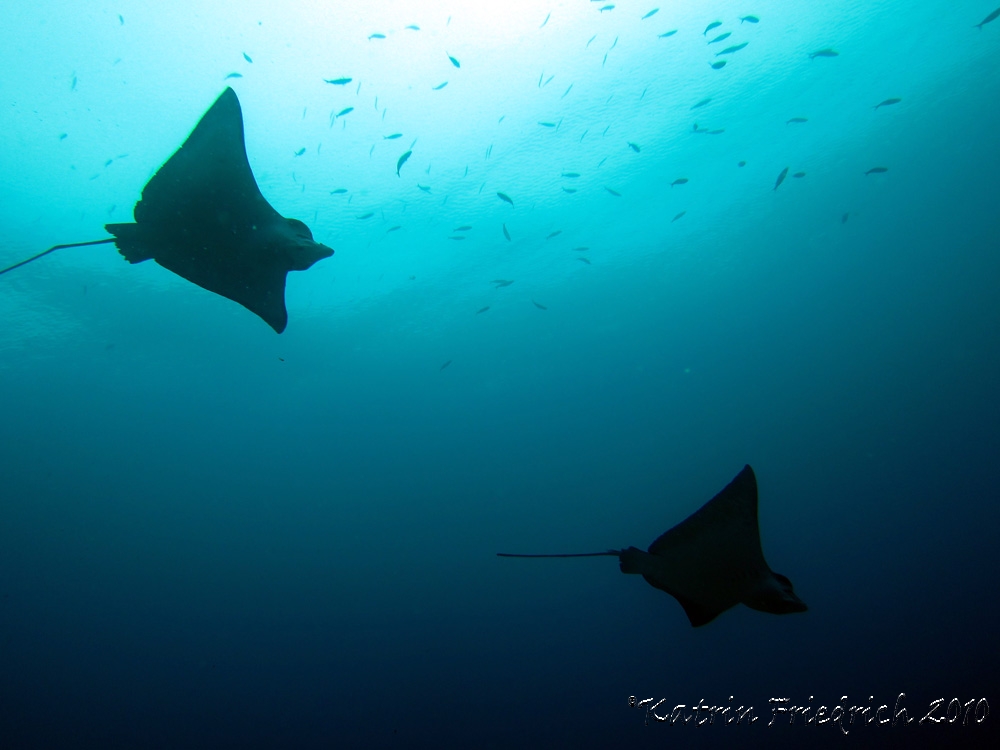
x: 726, y: 42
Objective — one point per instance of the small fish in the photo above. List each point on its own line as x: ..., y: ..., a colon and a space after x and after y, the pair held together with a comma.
x: 677, y: 216
x: 338, y: 191
x: 824, y: 53
x: 713, y: 25
x: 545, y: 21
x: 721, y: 37
x: 613, y: 192
x: 446, y: 364
x: 231, y: 75
x: 781, y: 178
x: 679, y: 181
x: 505, y: 198
x: 665, y: 34
x: 797, y: 119
x: 392, y: 137
x: 412, y: 27
x: 376, y: 36
x: 590, y: 40
x: 582, y: 249
x: 454, y: 62
x: 440, y: 86
x: 425, y: 188
x: 402, y: 161
x: 502, y: 282
x: 584, y: 260
x: 571, y: 175
x: 702, y: 103
x: 338, y: 81
x: 457, y: 237
x: 749, y: 19
x: 554, y: 234
x: 719, y: 65
x: 463, y: 228
x: 741, y: 164
x: 633, y: 146
x: 247, y: 57
x: 651, y: 13
x: 715, y: 132
x: 566, y: 92
x: 843, y: 219
x: 539, y: 305
x: 887, y: 102
x: 799, y: 175
x: 613, y: 44
x: 121, y: 21
x: 482, y: 309
x: 393, y: 229
x: 569, y: 190
x: 109, y: 161
x: 547, y: 124
x: 345, y: 111
x: 72, y: 85
x: 63, y: 136
x: 505, y: 232
x: 366, y: 215
x: 548, y: 81
x: 300, y: 152
x: 731, y: 50
x: 991, y: 17
x: 607, y: 7
x: 877, y: 170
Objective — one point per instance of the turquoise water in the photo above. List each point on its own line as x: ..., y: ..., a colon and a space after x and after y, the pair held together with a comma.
x: 215, y: 536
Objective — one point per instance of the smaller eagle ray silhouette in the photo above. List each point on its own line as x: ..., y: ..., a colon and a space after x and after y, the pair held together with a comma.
x: 712, y: 560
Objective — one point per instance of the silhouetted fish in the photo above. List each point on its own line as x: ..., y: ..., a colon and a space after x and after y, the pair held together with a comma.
x: 877, y: 170
x: 679, y: 181
x: 887, y: 102
x: 797, y: 119
x: 231, y: 75
x: 440, y: 86
x: 991, y: 17
x: 338, y: 81
x: 781, y: 178
x: 613, y: 192
x: 651, y: 13
x: 665, y: 34
x: 731, y: 50
x: 482, y: 309
x: 721, y: 37
x: 713, y: 25
x: 454, y: 62
x: 505, y: 198
x: 502, y: 282
x: 446, y: 364
x: 245, y: 55
x: 554, y: 234
x: 402, y: 161
x: 376, y: 36
x: 719, y: 65
x: 539, y: 305
x: 677, y: 216
x: 749, y: 19
x: 633, y: 146
x: 506, y: 233
x: 824, y: 53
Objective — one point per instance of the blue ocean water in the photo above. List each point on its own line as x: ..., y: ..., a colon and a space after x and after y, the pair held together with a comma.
x: 215, y: 536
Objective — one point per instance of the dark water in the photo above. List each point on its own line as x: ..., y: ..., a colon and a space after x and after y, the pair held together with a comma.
x: 213, y: 536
